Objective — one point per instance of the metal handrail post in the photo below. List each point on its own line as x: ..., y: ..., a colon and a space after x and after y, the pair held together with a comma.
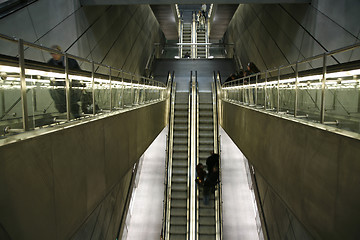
x: 122, y: 90
x: 23, y: 86
x: 296, y: 88
x: 111, y: 106
x: 265, y: 90
x: 278, y: 92
x: 322, y: 111
x: 256, y: 86
x: 93, y: 86
x: 132, y: 95
x: 68, y: 86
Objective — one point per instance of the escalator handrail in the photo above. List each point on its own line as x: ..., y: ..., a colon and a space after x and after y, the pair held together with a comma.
x: 216, y: 90
x: 168, y: 161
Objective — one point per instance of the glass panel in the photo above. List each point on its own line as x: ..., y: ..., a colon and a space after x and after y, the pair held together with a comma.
x: 287, y: 90
x: 127, y: 91
x: 102, y: 90
x: 342, y: 98
x: 10, y: 98
x: 309, y: 94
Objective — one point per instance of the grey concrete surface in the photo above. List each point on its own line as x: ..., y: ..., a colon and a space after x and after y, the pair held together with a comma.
x: 271, y: 35
x: 312, y: 169
x: 146, y: 208
x: 118, y: 36
x: 52, y: 182
x: 239, y: 210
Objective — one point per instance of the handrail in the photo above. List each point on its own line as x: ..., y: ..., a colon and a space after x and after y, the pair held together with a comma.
x: 192, y: 161
x: 47, y: 49
x: 127, y: 200
x: 335, y: 76
x: 168, y: 164
x: 218, y: 200
x: 189, y: 156
x: 37, y: 70
x: 197, y: 152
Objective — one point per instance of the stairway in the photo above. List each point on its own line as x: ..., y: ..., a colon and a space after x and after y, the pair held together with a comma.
x: 179, y: 189
x: 206, y: 213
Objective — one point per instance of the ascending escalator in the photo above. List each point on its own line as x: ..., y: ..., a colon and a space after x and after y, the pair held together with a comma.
x: 179, y: 178
x: 206, y: 213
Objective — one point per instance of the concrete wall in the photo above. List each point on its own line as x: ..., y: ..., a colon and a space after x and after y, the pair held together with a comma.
x: 308, y: 176
x: 119, y: 36
x: 271, y: 35
x: 52, y: 184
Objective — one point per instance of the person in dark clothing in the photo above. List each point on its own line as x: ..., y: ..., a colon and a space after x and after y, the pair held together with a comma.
x: 200, y: 174
x: 187, y: 55
x: 212, y: 161
x: 59, y: 60
x: 251, y: 69
x: 58, y: 94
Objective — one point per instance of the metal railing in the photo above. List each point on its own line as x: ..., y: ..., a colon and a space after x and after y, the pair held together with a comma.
x: 327, y: 95
x: 32, y: 86
x: 218, y: 197
x: 168, y: 164
x: 192, y: 230
x: 214, y: 50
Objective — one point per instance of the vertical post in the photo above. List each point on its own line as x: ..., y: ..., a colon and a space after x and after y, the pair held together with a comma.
x: 265, y: 90
x: 131, y: 91
x: 138, y: 92
x: 296, y: 89
x: 322, y: 111
x: 23, y: 86
x: 67, y: 88
x: 278, y: 92
x: 256, y: 86
x: 243, y: 91
x: 93, y: 86
x: 122, y: 91
x: 111, y: 106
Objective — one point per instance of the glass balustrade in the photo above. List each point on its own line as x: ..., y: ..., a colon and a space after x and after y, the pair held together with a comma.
x: 34, y: 94
x: 329, y: 94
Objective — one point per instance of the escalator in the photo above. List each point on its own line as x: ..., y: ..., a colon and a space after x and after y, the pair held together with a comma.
x: 179, y: 179
x: 206, y: 213
x: 191, y: 140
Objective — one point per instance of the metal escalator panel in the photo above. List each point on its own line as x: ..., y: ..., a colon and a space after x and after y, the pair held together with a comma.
x: 206, y: 213
x: 179, y: 178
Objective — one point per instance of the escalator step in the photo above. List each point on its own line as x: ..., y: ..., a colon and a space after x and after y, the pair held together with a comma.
x: 178, y: 195
x: 207, y: 237
x: 178, y: 220
x: 179, y: 179
x: 207, y: 221
x: 208, y: 212
x: 208, y: 230
x: 180, y: 163
x: 177, y: 236
x: 182, y: 212
x: 179, y: 187
x: 179, y: 171
x: 178, y: 203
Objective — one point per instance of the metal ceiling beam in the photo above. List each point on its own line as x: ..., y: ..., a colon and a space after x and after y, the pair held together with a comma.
x: 155, y: 2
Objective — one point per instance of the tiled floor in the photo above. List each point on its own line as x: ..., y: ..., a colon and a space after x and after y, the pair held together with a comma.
x: 238, y: 205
